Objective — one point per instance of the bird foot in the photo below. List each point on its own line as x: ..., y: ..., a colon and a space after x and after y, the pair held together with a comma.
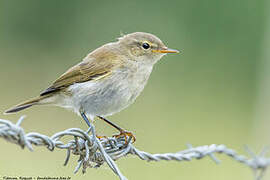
x: 101, y: 137
x: 125, y: 134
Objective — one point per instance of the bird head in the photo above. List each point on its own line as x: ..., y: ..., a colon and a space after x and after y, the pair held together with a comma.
x: 144, y: 47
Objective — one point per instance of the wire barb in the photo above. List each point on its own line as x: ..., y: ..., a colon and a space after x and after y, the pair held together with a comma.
x: 94, y: 152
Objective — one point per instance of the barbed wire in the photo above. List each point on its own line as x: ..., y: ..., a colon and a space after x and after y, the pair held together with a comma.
x: 94, y: 152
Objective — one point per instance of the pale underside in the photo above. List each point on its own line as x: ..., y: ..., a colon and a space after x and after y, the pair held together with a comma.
x: 105, y: 96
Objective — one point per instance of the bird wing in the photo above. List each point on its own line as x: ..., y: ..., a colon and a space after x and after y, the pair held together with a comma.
x: 92, y: 68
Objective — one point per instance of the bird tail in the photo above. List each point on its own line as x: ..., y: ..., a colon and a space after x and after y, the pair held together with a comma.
x: 29, y: 103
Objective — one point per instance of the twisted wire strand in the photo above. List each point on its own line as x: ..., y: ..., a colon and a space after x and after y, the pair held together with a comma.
x: 94, y: 152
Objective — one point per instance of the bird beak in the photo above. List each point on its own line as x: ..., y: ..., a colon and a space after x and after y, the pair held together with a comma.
x: 165, y: 50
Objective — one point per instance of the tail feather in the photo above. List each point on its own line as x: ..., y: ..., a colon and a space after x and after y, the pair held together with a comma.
x: 18, y: 108
x: 26, y: 104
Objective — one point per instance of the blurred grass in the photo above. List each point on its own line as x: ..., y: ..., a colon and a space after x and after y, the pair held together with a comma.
x: 205, y: 95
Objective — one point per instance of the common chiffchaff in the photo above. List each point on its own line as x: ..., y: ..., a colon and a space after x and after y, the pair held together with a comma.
x: 108, y: 79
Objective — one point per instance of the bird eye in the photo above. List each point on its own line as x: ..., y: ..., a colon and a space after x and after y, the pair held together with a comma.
x: 145, y: 45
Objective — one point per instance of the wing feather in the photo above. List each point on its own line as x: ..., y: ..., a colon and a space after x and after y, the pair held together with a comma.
x: 92, y: 68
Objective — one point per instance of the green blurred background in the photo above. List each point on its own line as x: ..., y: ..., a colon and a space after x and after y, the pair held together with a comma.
x: 215, y: 92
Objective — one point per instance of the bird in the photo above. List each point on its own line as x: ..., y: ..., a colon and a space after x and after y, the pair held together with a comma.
x: 106, y: 81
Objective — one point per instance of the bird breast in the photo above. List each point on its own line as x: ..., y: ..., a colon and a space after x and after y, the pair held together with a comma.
x: 111, y: 94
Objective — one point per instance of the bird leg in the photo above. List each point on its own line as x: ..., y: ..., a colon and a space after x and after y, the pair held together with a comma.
x: 89, y: 125
x: 122, y: 133
x: 85, y: 118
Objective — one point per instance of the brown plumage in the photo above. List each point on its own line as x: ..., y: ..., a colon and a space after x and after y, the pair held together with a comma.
x: 96, y: 65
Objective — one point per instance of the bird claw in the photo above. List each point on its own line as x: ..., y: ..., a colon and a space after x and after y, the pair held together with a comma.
x: 101, y: 137
x: 127, y: 135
